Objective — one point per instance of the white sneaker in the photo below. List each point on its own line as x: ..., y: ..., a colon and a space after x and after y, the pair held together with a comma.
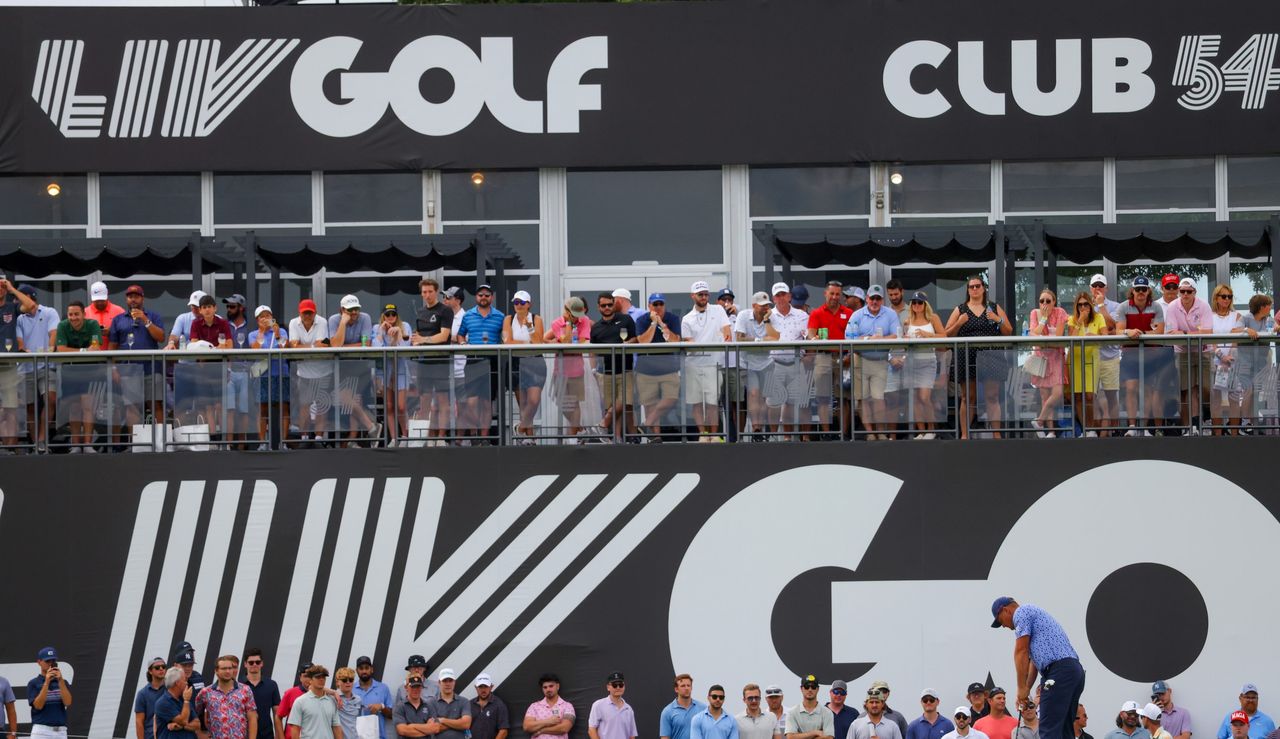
x: 1091, y: 434
x: 262, y: 447
x: 1132, y: 432
x: 1193, y: 431
x: 90, y: 450
x: 1147, y: 433
x: 74, y: 450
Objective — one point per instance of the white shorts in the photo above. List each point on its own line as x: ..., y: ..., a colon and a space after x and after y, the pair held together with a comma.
x: 790, y: 385
x: 40, y: 731
x: 701, y: 384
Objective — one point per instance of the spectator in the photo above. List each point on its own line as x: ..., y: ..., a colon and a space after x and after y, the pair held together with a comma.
x: 450, y: 709
x: 623, y: 304
x: 754, y: 326
x: 1167, y: 365
x: 36, y: 332
x: 790, y: 376
x: 49, y: 696
x: 979, y: 316
x: 1082, y: 720
x: 529, y: 371
x: 676, y: 718
x: 417, y: 667
x: 1127, y: 724
x: 1108, y: 371
x: 571, y: 327
x: 181, y: 331
x: 1029, y: 723
x: 266, y: 695
x: 800, y: 297
x: 894, y: 403
x: 77, y: 334
x: 350, y: 327
x: 209, y: 326
x: 873, y: 722
x: 551, y: 717
x: 1240, y: 725
x: 412, y: 716
x: 228, y: 707
x: 175, y: 716
x: 350, y: 707
x: 1224, y: 401
x: 139, y: 329
x: 874, y: 322
x: 1189, y: 316
x: 1136, y: 317
x: 1085, y: 321
x: 1048, y: 319
x: 754, y: 723
x: 273, y: 382
x: 1259, y: 724
x: 657, y: 375
x: 705, y: 324
x: 101, y: 309
x: 920, y: 371
x: 725, y: 299
x: 827, y: 322
x: 489, y: 716
x: 963, y: 729
x: 393, y: 378
x: 731, y: 384
x: 1250, y: 362
x: 611, y: 717
x: 889, y: 713
x: 433, y: 325
x: 452, y: 298
x: 184, y: 655
x: 482, y: 325
x: 295, y: 692
x: 315, y: 713
x: 854, y: 298
x: 10, y: 377
x: 208, y: 391
x: 844, y: 713
x: 1150, y: 715
x: 375, y: 695
x: 144, y: 703
x: 713, y: 722
x: 931, y: 724
x: 810, y: 720
x: 1040, y: 642
x: 315, y: 376
x: 236, y: 394
x: 615, y: 377
x: 8, y: 700
x: 773, y: 699
x: 979, y: 704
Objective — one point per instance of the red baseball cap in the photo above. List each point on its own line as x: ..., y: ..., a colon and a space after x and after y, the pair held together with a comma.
x: 1240, y: 716
x: 1170, y: 277
x: 307, y: 305
x: 134, y: 290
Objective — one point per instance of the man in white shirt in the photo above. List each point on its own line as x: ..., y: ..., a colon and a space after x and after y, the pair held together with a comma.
x: 707, y: 323
x: 754, y: 326
x: 312, y: 399
x: 963, y: 730
x: 790, y: 376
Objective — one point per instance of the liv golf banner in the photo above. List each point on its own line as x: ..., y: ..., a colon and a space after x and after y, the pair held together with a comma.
x: 654, y: 84
x: 734, y: 563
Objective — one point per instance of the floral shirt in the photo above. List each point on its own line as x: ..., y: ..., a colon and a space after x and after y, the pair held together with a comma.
x: 226, y: 714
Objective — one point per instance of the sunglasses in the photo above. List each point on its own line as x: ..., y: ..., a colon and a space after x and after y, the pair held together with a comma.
x: 875, y: 297
x: 253, y: 662
x: 839, y: 692
x: 809, y: 687
x: 753, y: 698
x: 617, y: 684
x: 1098, y: 284
x: 657, y: 302
x: 1228, y: 296
x: 353, y: 310
x: 519, y: 302
x: 1170, y: 286
x: 1141, y: 289
x: 161, y: 667
x: 1187, y: 292
x: 1045, y: 301
x: 1083, y: 305
x: 929, y: 699
x: 606, y: 305
x: 917, y: 302
x: 392, y: 314
x: 976, y: 286
x: 346, y: 679
x: 716, y: 697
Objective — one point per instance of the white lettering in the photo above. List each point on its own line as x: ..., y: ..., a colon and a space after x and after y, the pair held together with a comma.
x: 971, y: 74
x: 1120, y: 80
x: 897, y: 79
x: 1066, y: 88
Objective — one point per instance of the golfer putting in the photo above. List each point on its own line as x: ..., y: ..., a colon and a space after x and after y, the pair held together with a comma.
x: 1041, y: 645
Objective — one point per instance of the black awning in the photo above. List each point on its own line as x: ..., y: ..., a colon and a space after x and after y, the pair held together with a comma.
x: 305, y: 255
x: 41, y: 256
x: 1161, y: 242
x: 853, y: 247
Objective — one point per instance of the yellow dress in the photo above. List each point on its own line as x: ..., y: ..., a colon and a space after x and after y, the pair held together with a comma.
x: 1085, y: 379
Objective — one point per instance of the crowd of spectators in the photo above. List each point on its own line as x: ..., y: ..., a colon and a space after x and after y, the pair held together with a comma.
x: 604, y: 394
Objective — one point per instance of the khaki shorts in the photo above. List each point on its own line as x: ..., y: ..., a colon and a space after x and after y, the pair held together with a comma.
x: 1187, y: 370
x: 616, y: 388
x: 572, y: 389
x: 1109, y: 374
x: 826, y: 376
x: 732, y: 381
x: 701, y: 384
x: 875, y: 374
x: 652, y: 388
x: 855, y: 376
x: 10, y: 387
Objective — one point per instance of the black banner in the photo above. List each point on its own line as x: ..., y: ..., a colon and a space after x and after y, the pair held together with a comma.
x: 735, y: 563
x: 617, y: 85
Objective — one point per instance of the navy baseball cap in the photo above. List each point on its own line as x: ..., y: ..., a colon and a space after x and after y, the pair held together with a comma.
x: 27, y: 290
x: 725, y: 293
x: 47, y: 654
x: 657, y: 298
x: 1159, y: 687
x: 362, y: 661
x: 800, y: 294
x: 999, y: 603
x: 1141, y: 282
x: 184, y: 658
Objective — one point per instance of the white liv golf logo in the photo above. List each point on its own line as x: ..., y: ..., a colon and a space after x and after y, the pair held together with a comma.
x: 204, y: 87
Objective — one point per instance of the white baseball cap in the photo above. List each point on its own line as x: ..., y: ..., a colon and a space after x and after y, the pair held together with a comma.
x: 522, y: 295
x: 349, y: 301
x: 1187, y: 282
x: 962, y: 711
x: 623, y: 293
x: 195, y: 297
x: 700, y: 286
x: 447, y: 674
x: 260, y: 310
x: 1151, y: 712
x: 929, y: 693
x: 761, y: 298
x: 1129, y: 706
x: 780, y: 287
x: 483, y: 678
x: 98, y: 291
x: 1099, y: 277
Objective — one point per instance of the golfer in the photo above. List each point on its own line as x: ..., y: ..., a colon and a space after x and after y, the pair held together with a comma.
x: 1043, y: 645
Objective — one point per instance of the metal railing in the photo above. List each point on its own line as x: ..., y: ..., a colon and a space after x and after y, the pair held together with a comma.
x: 410, y: 397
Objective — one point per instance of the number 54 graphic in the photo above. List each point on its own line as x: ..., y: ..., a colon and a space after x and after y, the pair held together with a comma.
x: 1248, y: 71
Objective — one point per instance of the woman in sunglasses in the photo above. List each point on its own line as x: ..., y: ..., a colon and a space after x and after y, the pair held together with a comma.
x: 523, y: 326
x: 1084, y: 359
x: 1224, y: 401
x: 978, y: 316
x: 1048, y: 319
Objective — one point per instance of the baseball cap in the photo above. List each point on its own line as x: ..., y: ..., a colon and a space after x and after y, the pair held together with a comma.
x: 1248, y: 688
x: 390, y: 308
x: 447, y: 674
x: 800, y: 294
x: 1141, y: 282
x: 27, y: 290
x: 524, y: 295
x: 839, y: 685
x: 919, y: 295
x: 1098, y: 277
x: 304, y: 667
x: 1240, y: 716
x: 961, y: 711
x: 453, y: 292
x: 874, y: 694
x: 999, y: 603
x: 236, y: 299
x: 484, y: 288
x: 1159, y: 687
x: 195, y: 298
x: 318, y: 671
x: 130, y: 290
x: 260, y: 310
x: 929, y: 693
x: 808, y: 681
x: 725, y: 293
x: 417, y: 660
x: 875, y: 290
x: 700, y: 286
x: 761, y: 298
x: 615, y: 676
x: 576, y: 307
x: 1168, y: 278
x: 156, y: 660
x: 997, y: 691
x: 623, y: 293
x: 657, y: 298
x: 483, y: 678
x: 414, y: 682
x: 976, y: 688
x: 1151, y: 712
x: 780, y: 287
x: 1187, y: 282
x: 306, y: 305
x: 349, y: 301
x: 1128, y: 706
x: 363, y: 660
x: 773, y: 690
x: 98, y: 291
x: 184, y: 646
x: 47, y: 654
x: 881, y: 685
x: 184, y: 658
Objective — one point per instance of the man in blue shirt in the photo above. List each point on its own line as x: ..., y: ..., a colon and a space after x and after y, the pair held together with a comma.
x: 931, y: 724
x: 1260, y: 724
x: 138, y: 329
x: 713, y: 722
x: 175, y: 710
x: 144, y: 703
x: 678, y: 715
x: 375, y: 695
x: 481, y: 325
x: 36, y: 332
x: 1042, y: 644
x: 351, y: 327
x: 266, y: 695
x: 50, y: 697
x: 874, y: 321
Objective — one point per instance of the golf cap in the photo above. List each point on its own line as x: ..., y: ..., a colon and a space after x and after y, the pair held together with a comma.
x: 657, y: 298
x: 773, y: 690
x: 453, y: 292
x: 414, y: 682
x: 881, y: 685
x: 307, y: 305
x: 417, y: 660
x: 98, y: 291
x: 725, y: 293
x: 195, y: 297
x: 1187, y: 282
x: 623, y: 293
x: 349, y: 301
x: 576, y: 307
x: 304, y: 667
x: 1159, y: 687
x: 840, y: 685
x: 236, y: 299
x: 780, y: 287
x: 483, y: 678
x: 875, y: 291
x: 999, y: 603
x: 28, y: 290
x: 390, y: 308
x: 260, y: 310
x: 929, y: 693
x: 47, y: 654
x: 857, y: 292
x: 1169, y: 278
x: 130, y: 290
x: 1248, y: 688
x: 761, y: 298
x: 1150, y: 712
x: 801, y: 294
x: 700, y: 286
x: 962, y: 711
x: 976, y: 688
x: 920, y: 296
x: 615, y: 677
x: 156, y: 661
x: 997, y: 691
x: 1240, y: 716
x: 808, y: 681
x: 1098, y: 277
x: 447, y: 674
x: 524, y: 295
x: 484, y: 289
x: 1141, y: 282
x: 1128, y: 706
x: 362, y: 661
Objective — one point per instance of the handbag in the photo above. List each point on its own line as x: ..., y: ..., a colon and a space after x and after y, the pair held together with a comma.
x: 191, y: 438
x: 1036, y: 365
x: 146, y: 438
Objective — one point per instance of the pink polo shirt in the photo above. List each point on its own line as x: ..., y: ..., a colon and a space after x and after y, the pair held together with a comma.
x: 541, y: 711
x: 1177, y: 318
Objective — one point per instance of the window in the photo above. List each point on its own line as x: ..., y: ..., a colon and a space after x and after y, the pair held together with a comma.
x: 136, y: 200
x: 664, y: 217
x: 27, y: 200
x: 810, y: 191
x: 941, y: 189
x: 489, y: 196
x: 1253, y: 182
x: 1052, y: 186
x: 359, y: 197
x: 1164, y: 184
x: 262, y: 198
